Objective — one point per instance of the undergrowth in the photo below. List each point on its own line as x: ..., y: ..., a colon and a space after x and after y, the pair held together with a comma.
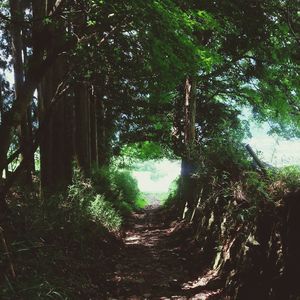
x: 87, y: 203
x: 243, y: 222
x: 172, y: 197
x: 61, y: 247
x: 119, y: 187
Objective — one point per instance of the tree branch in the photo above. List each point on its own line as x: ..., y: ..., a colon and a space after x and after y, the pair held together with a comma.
x: 56, y: 7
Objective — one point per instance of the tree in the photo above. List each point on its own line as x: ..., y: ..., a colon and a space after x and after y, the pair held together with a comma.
x: 241, y: 66
x: 62, y: 42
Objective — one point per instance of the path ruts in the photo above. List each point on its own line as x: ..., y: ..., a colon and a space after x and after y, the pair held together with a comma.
x: 153, y: 266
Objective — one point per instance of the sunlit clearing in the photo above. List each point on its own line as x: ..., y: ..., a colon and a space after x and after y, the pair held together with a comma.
x: 156, y: 176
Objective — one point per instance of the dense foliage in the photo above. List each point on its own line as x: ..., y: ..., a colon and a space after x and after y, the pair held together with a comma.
x: 100, y: 84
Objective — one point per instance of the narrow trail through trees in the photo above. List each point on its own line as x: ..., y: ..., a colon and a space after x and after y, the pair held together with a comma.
x: 155, y: 265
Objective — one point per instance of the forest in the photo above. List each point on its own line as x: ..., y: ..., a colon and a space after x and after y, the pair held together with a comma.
x: 89, y: 89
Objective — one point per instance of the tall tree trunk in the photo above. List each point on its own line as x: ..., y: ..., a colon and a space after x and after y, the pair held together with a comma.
x: 101, y: 126
x: 83, y: 128
x: 3, y: 204
x: 39, y: 62
x: 29, y: 136
x: 188, y: 164
x: 16, y: 46
x: 56, y: 149
x: 17, y: 15
x: 1, y: 115
x: 5, y: 169
x: 189, y: 114
x: 94, y: 130
x: 56, y: 144
x: 35, y: 70
x: 45, y: 93
x: 1, y: 100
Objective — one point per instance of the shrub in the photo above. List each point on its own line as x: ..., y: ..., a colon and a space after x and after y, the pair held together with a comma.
x: 86, y: 203
x: 102, y: 211
x: 173, y: 193
x: 290, y: 176
x: 141, y: 202
x: 118, y: 186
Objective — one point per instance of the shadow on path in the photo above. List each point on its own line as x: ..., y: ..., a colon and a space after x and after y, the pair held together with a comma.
x: 154, y: 266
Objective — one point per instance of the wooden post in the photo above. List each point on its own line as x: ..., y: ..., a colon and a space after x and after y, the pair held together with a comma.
x: 256, y: 159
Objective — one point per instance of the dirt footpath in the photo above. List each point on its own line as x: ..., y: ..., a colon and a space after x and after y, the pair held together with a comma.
x: 156, y: 265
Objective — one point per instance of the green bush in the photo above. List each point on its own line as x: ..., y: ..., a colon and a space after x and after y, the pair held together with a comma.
x: 102, y: 211
x: 118, y: 186
x: 290, y: 176
x: 141, y: 202
x: 257, y: 187
x: 173, y: 194
x: 86, y: 203
x: 125, y: 186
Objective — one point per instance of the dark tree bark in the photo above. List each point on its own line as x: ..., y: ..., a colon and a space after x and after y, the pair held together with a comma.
x: 25, y: 88
x: 25, y: 128
x: 189, y: 114
x: 56, y: 143
x: 83, y: 128
x: 44, y: 56
x: 16, y: 46
x: 17, y: 15
x: 94, y: 130
x: 28, y: 128
x: 1, y: 100
x: 187, y: 163
x: 102, y: 130
x: 4, y: 168
x: 1, y: 116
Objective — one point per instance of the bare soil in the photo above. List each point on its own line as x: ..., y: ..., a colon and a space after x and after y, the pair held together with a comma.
x: 160, y: 261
